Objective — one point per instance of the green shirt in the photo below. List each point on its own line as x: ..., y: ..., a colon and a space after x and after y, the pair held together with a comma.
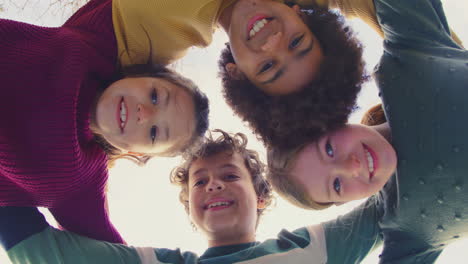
x: 423, y: 80
x: 346, y: 239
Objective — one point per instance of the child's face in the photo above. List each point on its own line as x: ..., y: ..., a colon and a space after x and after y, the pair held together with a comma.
x: 351, y: 163
x: 147, y: 115
x: 222, y: 198
x: 275, y: 57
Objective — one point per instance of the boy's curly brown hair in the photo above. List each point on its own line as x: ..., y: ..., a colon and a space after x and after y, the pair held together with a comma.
x: 323, y: 105
x: 231, y: 143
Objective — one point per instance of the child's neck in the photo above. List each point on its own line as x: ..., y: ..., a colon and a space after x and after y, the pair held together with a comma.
x: 231, y: 240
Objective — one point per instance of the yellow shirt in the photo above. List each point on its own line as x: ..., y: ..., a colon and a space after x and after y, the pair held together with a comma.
x: 161, y: 31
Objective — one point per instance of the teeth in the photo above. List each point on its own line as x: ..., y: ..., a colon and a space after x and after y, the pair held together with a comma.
x: 217, y: 204
x: 123, y: 113
x: 370, y: 161
x: 257, y: 26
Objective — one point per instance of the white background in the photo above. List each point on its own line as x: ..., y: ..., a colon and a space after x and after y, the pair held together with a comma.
x: 144, y: 206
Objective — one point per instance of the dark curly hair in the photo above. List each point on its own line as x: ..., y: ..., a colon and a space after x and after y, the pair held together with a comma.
x: 199, y: 99
x: 224, y: 143
x: 322, y: 105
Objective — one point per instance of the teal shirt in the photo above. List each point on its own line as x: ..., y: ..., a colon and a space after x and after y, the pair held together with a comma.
x: 346, y: 239
x: 423, y: 80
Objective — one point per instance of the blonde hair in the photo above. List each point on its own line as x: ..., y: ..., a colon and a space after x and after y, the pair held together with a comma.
x: 280, y: 164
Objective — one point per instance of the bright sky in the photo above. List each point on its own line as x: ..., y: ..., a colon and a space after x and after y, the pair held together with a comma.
x: 144, y: 206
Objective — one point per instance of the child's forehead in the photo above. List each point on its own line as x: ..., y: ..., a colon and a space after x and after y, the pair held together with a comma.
x: 218, y: 161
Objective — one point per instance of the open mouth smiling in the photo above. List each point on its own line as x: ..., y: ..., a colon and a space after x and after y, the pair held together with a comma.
x: 256, y: 24
x: 218, y: 205
x: 371, y: 160
x: 122, y: 114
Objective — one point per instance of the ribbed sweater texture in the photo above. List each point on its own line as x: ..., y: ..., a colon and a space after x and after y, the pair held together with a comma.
x: 49, y: 79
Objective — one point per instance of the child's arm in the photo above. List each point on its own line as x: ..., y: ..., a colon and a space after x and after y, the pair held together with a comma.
x: 362, y: 9
x: 28, y: 238
x: 87, y: 215
x: 18, y: 224
x: 350, y: 238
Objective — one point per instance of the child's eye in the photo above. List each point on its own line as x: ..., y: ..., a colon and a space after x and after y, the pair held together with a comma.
x: 199, y: 182
x: 154, y: 97
x: 329, y: 149
x: 266, y: 67
x: 232, y: 177
x: 337, y: 185
x: 295, y: 42
x: 153, y: 133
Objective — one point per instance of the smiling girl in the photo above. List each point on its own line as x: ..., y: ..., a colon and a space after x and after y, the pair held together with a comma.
x: 416, y: 163
x: 67, y: 114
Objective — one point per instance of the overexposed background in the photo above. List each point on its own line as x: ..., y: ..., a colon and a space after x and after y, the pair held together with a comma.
x: 144, y: 206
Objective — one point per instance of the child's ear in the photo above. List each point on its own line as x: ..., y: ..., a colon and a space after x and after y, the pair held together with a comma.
x: 233, y: 71
x: 261, y: 204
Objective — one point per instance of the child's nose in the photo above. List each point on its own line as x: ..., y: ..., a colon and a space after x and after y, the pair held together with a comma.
x: 214, y: 186
x: 272, y: 42
x: 143, y: 113
x: 352, y: 166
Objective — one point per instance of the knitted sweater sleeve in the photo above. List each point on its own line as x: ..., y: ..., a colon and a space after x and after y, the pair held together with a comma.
x: 65, y: 67
x: 87, y: 215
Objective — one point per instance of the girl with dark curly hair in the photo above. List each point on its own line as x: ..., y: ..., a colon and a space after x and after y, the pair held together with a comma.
x: 277, y: 114
x: 413, y: 167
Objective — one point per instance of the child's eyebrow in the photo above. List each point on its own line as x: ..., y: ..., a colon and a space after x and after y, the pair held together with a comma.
x: 320, y: 155
x: 319, y: 152
x: 167, y: 132
x: 281, y: 71
x: 168, y: 97
x: 199, y: 171
x: 328, y: 190
x: 229, y: 166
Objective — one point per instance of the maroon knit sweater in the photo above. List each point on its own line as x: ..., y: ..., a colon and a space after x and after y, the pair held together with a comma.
x: 49, y: 79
